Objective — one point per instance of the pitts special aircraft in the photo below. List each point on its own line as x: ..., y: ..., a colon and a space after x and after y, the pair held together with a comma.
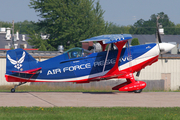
x: 80, y: 66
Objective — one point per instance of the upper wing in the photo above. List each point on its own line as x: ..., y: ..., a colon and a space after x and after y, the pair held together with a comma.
x: 11, y: 60
x: 21, y: 60
x: 108, y: 39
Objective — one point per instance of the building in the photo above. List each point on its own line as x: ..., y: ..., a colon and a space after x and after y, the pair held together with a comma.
x: 21, y: 42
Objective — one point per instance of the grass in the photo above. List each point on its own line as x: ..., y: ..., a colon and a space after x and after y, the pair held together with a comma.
x: 56, y: 88
x: 51, y: 88
x: 89, y: 113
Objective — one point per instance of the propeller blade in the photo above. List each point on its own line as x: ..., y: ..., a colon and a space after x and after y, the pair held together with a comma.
x: 159, y: 37
x: 157, y: 30
x: 138, y: 73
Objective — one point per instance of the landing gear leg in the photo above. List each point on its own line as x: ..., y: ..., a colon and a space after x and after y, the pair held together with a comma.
x: 13, y: 89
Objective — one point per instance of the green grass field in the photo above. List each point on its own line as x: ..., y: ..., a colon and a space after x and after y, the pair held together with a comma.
x: 88, y: 113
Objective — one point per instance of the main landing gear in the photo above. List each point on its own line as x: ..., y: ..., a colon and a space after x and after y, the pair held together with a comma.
x: 13, y: 89
x: 131, y: 85
x: 138, y: 91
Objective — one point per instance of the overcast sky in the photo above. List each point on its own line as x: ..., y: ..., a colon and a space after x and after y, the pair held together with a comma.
x: 121, y: 12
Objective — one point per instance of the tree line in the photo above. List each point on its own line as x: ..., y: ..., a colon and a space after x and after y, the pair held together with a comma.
x: 139, y: 27
x: 147, y: 26
x: 70, y: 21
x: 21, y: 27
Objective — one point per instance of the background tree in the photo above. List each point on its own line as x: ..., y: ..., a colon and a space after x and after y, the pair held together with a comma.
x: 146, y: 27
x: 117, y: 29
x: 69, y: 20
x: 135, y: 41
x: 21, y: 27
x: 5, y: 24
x: 36, y: 41
x: 177, y: 29
x: 149, y: 26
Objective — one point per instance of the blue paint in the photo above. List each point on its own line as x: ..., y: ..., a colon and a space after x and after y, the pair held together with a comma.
x: 111, y: 38
x: 25, y: 62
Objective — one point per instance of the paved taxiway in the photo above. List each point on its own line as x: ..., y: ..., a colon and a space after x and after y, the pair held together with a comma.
x: 88, y: 99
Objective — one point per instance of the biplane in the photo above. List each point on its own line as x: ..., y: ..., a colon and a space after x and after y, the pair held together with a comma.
x: 80, y: 66
x: 117, y: 60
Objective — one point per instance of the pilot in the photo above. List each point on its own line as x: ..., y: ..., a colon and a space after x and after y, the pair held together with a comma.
x: 74, y: 54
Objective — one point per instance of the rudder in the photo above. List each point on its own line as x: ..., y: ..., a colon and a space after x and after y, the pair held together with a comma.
x: 19, y: 60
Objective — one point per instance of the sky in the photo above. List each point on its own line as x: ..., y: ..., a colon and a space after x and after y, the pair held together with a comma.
x: 121, y: 12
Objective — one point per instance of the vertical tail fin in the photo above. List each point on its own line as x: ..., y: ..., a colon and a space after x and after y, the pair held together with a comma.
x: 19, y: 60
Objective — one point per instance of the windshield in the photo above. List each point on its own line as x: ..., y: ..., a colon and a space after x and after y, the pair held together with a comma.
x: 77, y: 52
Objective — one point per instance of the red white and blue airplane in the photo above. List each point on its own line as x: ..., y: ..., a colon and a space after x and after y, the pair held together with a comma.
x: 80, y: 66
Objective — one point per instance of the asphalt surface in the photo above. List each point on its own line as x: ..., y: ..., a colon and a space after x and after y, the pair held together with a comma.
x: 90, y: 99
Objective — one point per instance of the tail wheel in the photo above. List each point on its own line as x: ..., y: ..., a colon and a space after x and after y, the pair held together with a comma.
x: 138, y: 91
x: 13, y: 89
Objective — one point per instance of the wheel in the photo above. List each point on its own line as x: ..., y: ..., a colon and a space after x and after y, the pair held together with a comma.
x: 138, y: 91
x: 12, y: 90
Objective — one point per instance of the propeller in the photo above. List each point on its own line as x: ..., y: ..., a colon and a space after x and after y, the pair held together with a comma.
x: 157, y: 30
x: 163, y: 47
x: 158, y: 38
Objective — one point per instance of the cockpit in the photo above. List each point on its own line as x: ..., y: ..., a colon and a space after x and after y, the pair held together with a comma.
x: 76, y: 52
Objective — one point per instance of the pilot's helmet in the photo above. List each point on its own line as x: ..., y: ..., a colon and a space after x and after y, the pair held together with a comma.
x: 74, y: 54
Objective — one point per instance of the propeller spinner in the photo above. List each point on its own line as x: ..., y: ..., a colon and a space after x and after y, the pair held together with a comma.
x: 163, y: 47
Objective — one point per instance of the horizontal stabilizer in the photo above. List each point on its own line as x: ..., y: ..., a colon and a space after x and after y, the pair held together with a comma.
x: 32, y: 71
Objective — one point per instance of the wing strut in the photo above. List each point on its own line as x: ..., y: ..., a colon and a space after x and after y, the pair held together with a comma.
x: 106, y: 57
x: 129, y: 55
